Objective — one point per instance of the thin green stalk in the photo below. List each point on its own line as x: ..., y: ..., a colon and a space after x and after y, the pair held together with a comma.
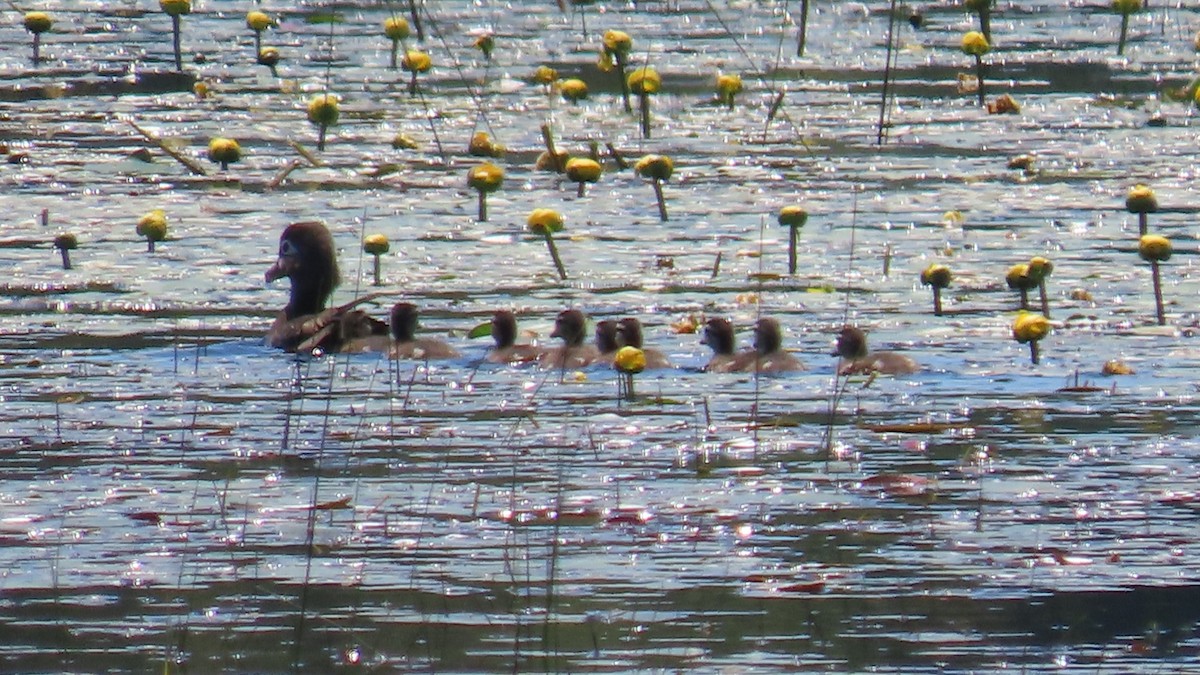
x: 558, y: 263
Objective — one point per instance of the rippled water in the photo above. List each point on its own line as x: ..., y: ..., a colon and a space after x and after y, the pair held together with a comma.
x: 177, y: 496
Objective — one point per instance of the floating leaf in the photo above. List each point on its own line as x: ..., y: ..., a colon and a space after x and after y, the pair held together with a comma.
x: 482, y: 330
x: 324, y: 17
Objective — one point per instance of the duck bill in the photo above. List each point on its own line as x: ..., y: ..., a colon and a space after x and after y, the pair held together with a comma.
x: 283, y: 267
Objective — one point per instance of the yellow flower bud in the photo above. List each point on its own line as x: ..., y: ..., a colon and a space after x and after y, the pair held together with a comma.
x: 574, y: 90
x: 1018, y: 278
x: 486, y: 177
x: 153, y: 225
x: 1030, y: 327
x: 583, y: 170
x: 176, y: 7
x: 258, y: 21
x: 482, y: 145
x: 416, y: 61
x: 269, y: 57
x: 658, y: 167
x: 793, y: 216
x: 1154, y: 248
x: 1039, y: 268
x: 323, y: 110
x: 543, y: 221
x: 617, y: 42
x: 545, y: 75
x: 1141, y: 199
x: 1127, y: 6
x: 645, y: 80
x: 376, y: 244
x: 224, y: 151
x: 975, y: 44
x: 728, y: 86
x: 396, y: 28
x: 37, y: 22
x: 630, y: 360
x: 937, y: 275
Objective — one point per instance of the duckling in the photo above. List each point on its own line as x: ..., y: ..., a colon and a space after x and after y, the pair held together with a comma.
x: 607, y: 342
x: 406, y: 345
x: 307, y: 258
x: 769, y: 354
x: 629, y: 334
x: 852, y: 347
x: 504, y: 333
x: 571, y: 326
x: 718, y: 335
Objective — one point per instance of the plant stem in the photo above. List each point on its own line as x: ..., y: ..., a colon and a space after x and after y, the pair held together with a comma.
x: 802, y: 38
x: 558, y: 263
x: 662, y: 203
x: 395, y: 50
x: 628, y: 386
x: 620, y: 60
x: 378, y: 282
x: 581, y: 189
x: 1143, y: 224
x: 412, y: 84
x: 257, y: 44
x: 416, y: 19
x: 1045, y: 301
x: 66, y: 258
x: 149, y: 246
x: 175, y: 34
x: 548, y: 139
x: 1158, y: 301
x: 37, y: 49
x: 1124, y: 31
x: 937, y: 301
x: 1034, y: 352
x: 985, y: 21
x: 482, y: 206
x: 320, y: 139
x: 793, y: 244
x: 979, y: 78
x: 644, y: 103
x: 1024, y: 299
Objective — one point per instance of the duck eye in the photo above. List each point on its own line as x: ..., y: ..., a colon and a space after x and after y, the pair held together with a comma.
x: 287, y: 248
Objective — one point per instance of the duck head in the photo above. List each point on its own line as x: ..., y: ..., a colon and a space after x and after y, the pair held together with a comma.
x: 307, y: 258
x: 404, y: 321
x: 606, y: 336
x: 768, y: 337
x: 851, y: 343
x: 629, y: 332
x: 571, y: 326
x: 718, y: 335
x: 504, y: 328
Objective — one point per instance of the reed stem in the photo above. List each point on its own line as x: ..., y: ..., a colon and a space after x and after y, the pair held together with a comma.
x: 1045, y: 301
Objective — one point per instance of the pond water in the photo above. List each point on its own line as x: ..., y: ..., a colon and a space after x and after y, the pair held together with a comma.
x: 177, y: 496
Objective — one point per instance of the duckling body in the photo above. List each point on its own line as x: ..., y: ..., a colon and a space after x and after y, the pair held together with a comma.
x: 629, y: 334
x: 504, y: 334
x: 769, y: 354
x: 307, y: 258
x: 856, y: 358
x: 405, y: 343
x: 571, y: 326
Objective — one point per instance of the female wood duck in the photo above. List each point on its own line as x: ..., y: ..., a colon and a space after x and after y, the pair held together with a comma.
x: 852, y: 347
x: 308, y: 260
x: 571, y: 326
x: 504, y: 334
